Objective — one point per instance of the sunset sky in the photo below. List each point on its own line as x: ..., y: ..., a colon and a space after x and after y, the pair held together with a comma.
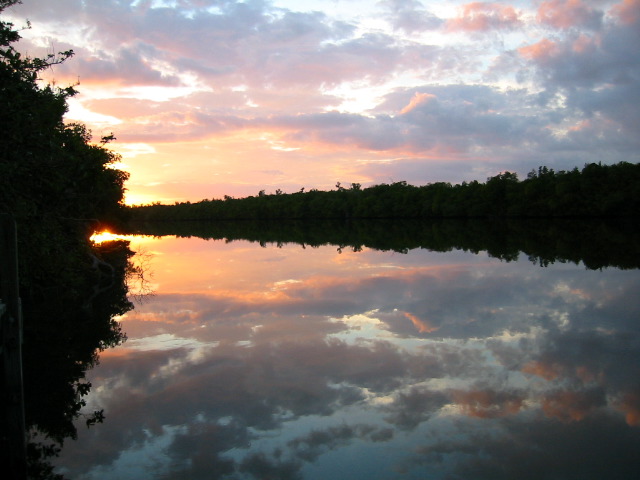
x: 220, y: 97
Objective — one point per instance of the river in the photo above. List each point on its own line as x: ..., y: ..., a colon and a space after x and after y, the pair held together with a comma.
x: 285, y: 361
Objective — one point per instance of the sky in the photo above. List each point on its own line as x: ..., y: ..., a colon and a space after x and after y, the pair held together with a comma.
x: 220, y: 97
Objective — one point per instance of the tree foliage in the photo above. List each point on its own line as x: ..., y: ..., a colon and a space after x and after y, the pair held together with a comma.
x: 595, y: 191
x: 48, y: 167
x: 55, y: 182
x: 58, y: 186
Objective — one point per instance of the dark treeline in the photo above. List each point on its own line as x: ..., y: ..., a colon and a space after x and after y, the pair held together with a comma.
x: 57, y: 186
x: 595, y: 191
x: 594, y: 243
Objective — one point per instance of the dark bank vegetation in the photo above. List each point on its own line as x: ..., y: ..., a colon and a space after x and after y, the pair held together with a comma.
x: 595, y: 243
x: 595, y: 191
x: 58, y: 186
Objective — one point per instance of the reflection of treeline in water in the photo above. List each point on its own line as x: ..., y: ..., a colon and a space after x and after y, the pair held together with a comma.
x: 595, y: 243
x: 595, y: 191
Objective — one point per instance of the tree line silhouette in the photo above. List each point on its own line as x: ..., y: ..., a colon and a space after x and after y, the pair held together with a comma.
x: 594, y: 243
x: 595, y: 191
x: 58, y: 186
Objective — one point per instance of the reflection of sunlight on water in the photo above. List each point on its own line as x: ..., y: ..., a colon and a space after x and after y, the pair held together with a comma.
x: 364, y: 326
x: 194, y: 351
x: 139, y: 271
x: 163, y: 341
x: 106, y: 236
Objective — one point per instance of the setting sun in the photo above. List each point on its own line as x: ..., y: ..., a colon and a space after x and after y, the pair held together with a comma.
x: 107, y: 236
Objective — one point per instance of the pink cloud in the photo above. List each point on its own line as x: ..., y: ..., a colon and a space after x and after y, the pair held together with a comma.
x: 541, y: 51
x: 630, y: 405
x: 488, y: 403
x: 423, y: 326
x: 628, y: 11
x: 410, y: 15
x: 585, y: 44
x: 567, y: 14
x: 481, y: 16
x: 418, y: 99
x: 574, y: 406
x: 548, y: 371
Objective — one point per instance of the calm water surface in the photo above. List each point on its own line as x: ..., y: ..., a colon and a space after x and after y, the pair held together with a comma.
x: 311, y: 363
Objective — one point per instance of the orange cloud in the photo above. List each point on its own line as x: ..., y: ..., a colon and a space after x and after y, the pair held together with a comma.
x: 573, y: 406
x: 540, y: 369
x: 583, y: 125
x: 488, y: 403
x: 423, y: 326
x: 417, y: 99
x: 540, y: 51
x: 565, y: 14
x: 584, y: 44
x: 630, y: 405
x: 481, y: 16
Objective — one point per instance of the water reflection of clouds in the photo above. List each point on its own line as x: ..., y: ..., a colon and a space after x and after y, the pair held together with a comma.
x: 504, y: 372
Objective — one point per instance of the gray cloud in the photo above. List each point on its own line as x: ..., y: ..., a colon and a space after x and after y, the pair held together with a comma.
x: 415, y: 407
x: 410, y: 16
x: 534, y: 448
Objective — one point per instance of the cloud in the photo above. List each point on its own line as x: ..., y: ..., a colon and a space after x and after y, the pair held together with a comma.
x: 488, y: 403
x: 569, y: 13
x: 542, y: 52
x: 551, y: 448
x: 277, y: 384
x: 573, y: 405
x: 418, y: 99
x: 259, y: 465
x: 410, y: 16
x: 483, y: 16
x: 199, y: 451
x: 309, y: 447
x: 596, y: 75
x: 627, y: 12
x: 414, y: 407
x: 125, y: 66
x: 423, y: 326
x: 629, y: 404
x: 454, y: 118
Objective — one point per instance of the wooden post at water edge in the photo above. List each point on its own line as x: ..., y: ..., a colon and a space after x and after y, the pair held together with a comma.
x: 12, y: 421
